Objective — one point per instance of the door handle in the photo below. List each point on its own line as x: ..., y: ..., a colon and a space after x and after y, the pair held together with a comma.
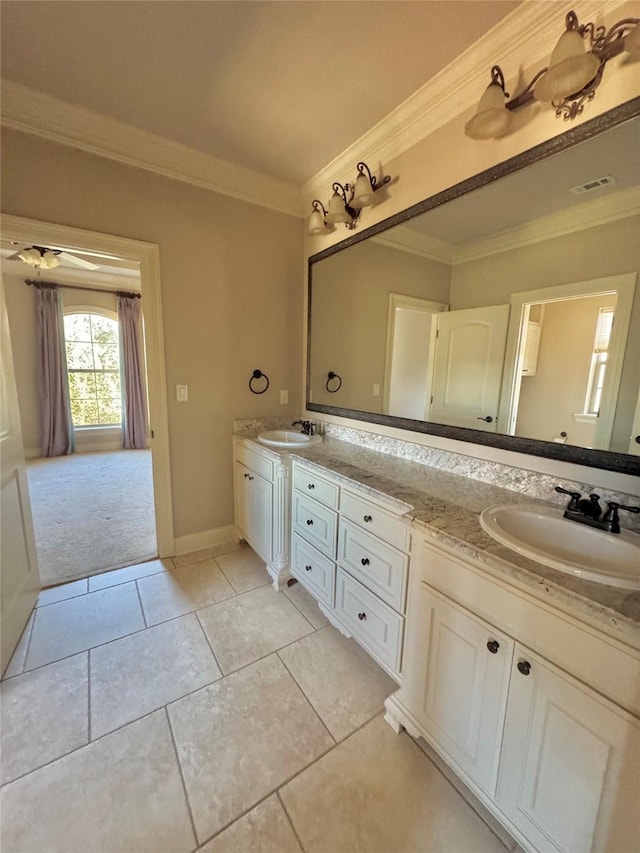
x: 488, y: 419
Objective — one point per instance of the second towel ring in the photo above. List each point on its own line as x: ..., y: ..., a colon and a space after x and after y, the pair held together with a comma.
x: 258, y: 374
x: 330, y: 377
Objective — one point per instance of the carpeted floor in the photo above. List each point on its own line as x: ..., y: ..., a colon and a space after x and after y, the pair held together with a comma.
x: 92, y: 512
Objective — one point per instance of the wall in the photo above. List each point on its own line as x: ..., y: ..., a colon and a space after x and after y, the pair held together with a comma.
x: 550, y: 397
x: 231, y: 298
x: 20, y: 301
x: 350, y: 309
x: 459, y: 158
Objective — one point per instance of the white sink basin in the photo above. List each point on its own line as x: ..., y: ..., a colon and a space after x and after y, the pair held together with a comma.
x: 287, y: 438
x: 542, y: 534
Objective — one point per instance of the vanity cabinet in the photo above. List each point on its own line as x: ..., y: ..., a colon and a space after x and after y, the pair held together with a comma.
x: 261, y: 501
x: 517, y: 699
x: 350, y: 552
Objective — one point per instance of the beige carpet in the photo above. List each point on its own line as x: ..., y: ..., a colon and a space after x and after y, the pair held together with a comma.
x: 92, y: 512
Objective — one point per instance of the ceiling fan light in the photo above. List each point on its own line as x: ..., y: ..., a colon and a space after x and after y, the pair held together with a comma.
x: 363, y: 192
x: 316, y: 223
x: 49, y: 260
x: 569, y: 71
x: 337, y: 210
x: 492, y: 117
x: 632, y: 42
x: 30, y: 256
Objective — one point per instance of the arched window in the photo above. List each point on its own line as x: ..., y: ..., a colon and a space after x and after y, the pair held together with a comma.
x: 93, y: 363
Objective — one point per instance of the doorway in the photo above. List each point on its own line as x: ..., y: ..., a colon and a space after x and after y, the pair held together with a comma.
x: 99, y: 466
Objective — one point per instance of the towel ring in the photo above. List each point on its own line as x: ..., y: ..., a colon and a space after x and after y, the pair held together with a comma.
x: 258, y: 374
x: 330, y: 376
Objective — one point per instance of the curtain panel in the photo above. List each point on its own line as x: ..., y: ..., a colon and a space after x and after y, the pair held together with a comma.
x: 56, y: 425
x: 134, y: 408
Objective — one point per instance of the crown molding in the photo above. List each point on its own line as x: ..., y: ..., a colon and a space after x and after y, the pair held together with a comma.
x: 590, y: 214
x: 406, y: 240
x: 524, y: 38
x: 29, y: 111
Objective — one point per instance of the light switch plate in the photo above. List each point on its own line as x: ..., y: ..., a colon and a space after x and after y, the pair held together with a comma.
x: 284, y: 398
x: 182, y: 393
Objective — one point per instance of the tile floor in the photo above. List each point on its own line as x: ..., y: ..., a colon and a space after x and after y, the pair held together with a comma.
x: 183, y: 705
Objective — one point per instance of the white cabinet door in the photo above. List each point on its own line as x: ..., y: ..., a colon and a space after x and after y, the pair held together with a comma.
x: 570, y: 770
x: 464, y: 683
x: 254, y: 509
x: 468, y: 367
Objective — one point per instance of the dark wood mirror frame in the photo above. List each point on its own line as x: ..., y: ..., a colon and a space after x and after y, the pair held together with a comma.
x: 620, y: 462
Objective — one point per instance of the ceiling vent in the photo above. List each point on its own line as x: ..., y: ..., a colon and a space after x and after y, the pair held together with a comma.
x: 596, y: 184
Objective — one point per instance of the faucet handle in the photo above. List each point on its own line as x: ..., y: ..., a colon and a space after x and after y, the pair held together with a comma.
x: 575, y: 497
x: 611, y: 517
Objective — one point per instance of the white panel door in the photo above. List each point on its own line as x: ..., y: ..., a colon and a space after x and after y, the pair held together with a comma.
x: 19, y: 577
x: 468, y: 367
x: 261, y: 522
x: 570, y: 770
x: 465, y: 679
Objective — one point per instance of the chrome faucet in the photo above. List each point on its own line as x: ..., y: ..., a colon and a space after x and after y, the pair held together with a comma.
x: 306, y: 427
x: 588, y: 511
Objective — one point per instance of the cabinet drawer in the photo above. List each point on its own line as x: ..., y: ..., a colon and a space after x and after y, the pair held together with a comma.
x: 381, y: 568
x: 374, y: 623
x: 315, y: 523
x: 313, y: 570
x: 317, y: 487
x: 375, y: 519
x: 253, y: 460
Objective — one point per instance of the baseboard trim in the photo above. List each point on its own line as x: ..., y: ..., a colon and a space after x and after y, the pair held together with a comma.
x: 204, y: 539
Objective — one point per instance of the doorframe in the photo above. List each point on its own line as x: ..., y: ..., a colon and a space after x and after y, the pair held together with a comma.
x: 623, y: 285
x: 148, y: 256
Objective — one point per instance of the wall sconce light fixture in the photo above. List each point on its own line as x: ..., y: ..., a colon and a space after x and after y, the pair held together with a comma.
x: 572, y: 77
x: 347, y: 202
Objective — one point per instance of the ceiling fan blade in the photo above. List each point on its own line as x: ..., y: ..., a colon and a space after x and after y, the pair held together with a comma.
x: 78, y: 262
x: 15, y: 257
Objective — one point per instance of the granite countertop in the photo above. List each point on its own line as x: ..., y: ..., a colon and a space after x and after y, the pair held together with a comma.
x: 447, y: 507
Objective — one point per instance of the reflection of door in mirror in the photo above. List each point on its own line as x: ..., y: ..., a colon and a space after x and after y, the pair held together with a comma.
x: 468, y: 367
x: 411, y: 342
x: 570, y: 395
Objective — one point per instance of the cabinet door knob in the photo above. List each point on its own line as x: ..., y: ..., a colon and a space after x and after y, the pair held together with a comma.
x: 362, y: 616
x: 307, y: 568
x: 368, y: 518
x: 524, y: 667
x: 493, y: 646
x: 245, y: 476
x: 365, y: 561
x: 311, y: 486
x: 309, y: 521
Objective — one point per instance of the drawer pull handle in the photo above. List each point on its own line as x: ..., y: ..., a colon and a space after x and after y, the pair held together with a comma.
x: 524, y: 667
x: 362, y: 616
x: 307, y: 568
x: 368, y: 518
x: 311, y: 486
x: 493, y: 646
x: 309, y: 521
x: 248, y: 476
x: 365, y: 561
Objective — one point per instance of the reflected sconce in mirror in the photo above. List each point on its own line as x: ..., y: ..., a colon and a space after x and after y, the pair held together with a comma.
x: 347, y: 202
x: 331, y: 377
x: 572, y: 77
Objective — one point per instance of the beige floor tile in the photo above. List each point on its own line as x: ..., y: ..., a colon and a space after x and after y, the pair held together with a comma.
x: 16, y: 664
x: 240, y: 738
x: 43, y: 716
x: 251, y: 626
x: 344, y: 685
x: 129, y: 573
x: 182, y: 590
x: 62, y: 592
x: 135, y: 675
x: 120, y: 793
x: 244, y: 569
x: 72, y: 626
x: 264, y: 829
x: 206, y: 553
x: 306, y: 604
x: 377, y: 792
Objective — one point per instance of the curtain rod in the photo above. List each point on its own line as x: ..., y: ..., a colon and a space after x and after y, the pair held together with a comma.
x: 40, y: 283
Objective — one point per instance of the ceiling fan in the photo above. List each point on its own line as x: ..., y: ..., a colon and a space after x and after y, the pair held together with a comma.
x: 41, y: 257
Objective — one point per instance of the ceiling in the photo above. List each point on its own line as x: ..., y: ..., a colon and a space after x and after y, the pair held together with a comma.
x: 278, y: 87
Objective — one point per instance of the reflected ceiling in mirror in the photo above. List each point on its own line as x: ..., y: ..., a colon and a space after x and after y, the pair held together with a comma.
x: 485, y: 313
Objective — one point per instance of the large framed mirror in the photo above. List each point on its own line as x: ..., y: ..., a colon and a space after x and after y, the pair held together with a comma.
x: 502, y: 311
